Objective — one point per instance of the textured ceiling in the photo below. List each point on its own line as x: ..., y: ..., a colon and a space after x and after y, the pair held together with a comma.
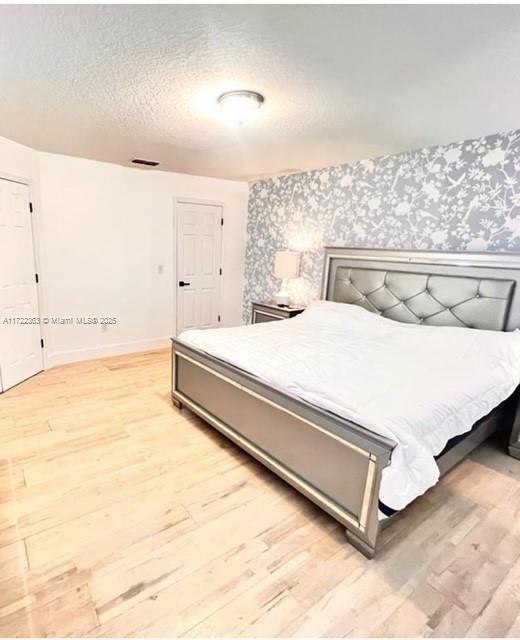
x: 341, y: 82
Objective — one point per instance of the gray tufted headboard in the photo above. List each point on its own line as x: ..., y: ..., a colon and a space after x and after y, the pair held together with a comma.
x: 475, y: 290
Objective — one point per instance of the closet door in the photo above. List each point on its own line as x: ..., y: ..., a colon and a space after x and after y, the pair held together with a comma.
x: 20, y: 337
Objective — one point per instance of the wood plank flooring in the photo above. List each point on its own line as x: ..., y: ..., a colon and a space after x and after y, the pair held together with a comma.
x: 121, y: 516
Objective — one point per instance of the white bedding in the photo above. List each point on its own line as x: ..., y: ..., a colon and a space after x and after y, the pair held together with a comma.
x: 417, y: 385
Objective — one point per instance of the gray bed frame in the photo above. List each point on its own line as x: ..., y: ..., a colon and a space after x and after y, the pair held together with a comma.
x: 337, y: 463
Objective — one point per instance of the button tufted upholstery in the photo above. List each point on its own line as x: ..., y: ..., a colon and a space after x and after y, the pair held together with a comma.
x: 426, y: 298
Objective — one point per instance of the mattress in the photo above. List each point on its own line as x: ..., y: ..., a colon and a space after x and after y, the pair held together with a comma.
x: 419, y: 386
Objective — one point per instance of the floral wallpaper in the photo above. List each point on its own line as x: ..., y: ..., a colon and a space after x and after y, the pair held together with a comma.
x: 460, y: 196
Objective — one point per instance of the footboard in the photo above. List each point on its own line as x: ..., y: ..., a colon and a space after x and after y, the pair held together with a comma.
x: 335, y: 463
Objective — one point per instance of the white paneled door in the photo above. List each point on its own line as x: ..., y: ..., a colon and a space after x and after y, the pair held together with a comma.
x: 199, y: 241
x: 20, y: 337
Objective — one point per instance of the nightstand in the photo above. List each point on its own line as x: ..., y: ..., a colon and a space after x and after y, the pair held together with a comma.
x: 269, y: 311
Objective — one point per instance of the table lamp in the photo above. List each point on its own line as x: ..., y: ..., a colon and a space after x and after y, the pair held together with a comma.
x: 286, y: 266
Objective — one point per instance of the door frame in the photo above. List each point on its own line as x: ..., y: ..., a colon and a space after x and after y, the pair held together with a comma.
x: 177, y: 200
x: 36, y: 232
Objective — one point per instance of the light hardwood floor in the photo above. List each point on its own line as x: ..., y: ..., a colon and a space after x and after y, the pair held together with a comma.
x: 120, y: 515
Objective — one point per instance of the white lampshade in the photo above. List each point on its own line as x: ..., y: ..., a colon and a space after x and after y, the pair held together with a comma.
x: 287, y: 264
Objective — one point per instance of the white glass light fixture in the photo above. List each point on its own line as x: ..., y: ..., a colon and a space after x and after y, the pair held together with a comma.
x: 286, y: 267
x: 240, y: 107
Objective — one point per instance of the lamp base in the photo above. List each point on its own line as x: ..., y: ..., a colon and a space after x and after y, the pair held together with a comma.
x: 282, y: 299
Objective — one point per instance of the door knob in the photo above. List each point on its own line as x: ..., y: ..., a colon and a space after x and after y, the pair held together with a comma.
x: 183, y: 284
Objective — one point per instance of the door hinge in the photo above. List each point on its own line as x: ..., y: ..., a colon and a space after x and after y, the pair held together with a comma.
x: 42, y: 344
x: 218, y: 318
x: 220, y: 271
x: 30, y: 207
x: 221, y: 222
x: 36, y: 277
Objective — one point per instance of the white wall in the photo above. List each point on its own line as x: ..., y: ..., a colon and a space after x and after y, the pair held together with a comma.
x: 17, y: 161
x: 109, y: 231
x: 105, y: 232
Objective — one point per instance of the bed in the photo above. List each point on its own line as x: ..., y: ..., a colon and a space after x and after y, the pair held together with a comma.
x: 339, y: 462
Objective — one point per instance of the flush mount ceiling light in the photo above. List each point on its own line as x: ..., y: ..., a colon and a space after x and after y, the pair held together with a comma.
x: 240, y: 107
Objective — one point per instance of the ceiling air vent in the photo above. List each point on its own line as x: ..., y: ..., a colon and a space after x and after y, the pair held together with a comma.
x: 146, y: 163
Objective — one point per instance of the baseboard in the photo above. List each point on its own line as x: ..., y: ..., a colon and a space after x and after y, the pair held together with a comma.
x: 105, y: 351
